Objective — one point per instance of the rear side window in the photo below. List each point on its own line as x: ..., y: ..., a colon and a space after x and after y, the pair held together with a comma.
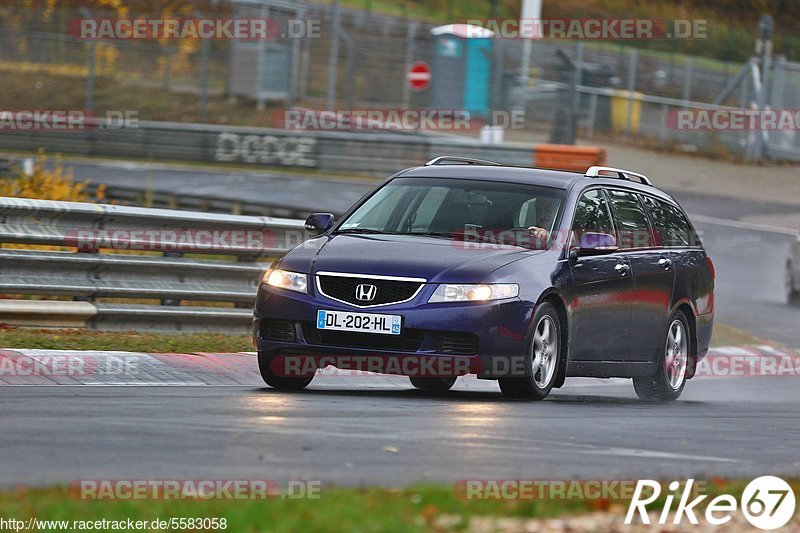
x: 633, y: 230
x: 670, y: 224
x: 592, y: 215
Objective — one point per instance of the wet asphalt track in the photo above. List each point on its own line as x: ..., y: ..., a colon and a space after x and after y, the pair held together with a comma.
x: 367, y: 432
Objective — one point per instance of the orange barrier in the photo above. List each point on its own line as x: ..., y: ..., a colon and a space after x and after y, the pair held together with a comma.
x: 568, y: 157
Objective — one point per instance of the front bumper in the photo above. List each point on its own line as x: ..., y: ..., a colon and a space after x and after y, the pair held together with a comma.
x: 467, y: 335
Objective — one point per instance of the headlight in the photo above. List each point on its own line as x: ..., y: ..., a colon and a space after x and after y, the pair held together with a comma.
x: 474, y: 293
x: 283, y: 279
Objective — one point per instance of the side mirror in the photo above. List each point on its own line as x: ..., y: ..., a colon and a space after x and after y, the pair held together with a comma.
x: 319, y: 223
x: 595, y: 243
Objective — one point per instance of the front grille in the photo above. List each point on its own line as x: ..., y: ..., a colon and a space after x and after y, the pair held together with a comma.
x: 277, y: 330
x: 458, y: 344
x: 410, y: 340
x: 386, y: 291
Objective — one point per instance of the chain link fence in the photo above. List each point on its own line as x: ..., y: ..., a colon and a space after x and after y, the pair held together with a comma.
x: 359, y: 59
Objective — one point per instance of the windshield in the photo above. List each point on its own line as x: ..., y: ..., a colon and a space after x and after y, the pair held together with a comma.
x: 499, y: 212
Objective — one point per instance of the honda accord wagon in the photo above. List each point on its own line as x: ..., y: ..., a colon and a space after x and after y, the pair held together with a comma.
x: 525, y: 276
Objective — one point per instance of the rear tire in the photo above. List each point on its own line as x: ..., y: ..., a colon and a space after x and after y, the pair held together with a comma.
x: 433, y: 384
x: 670, y: 379
x: 279, y: 382
x: 541, y: 361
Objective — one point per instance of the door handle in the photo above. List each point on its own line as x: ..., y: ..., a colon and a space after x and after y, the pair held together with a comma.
x: 665, y: 262
x: 622, y: 268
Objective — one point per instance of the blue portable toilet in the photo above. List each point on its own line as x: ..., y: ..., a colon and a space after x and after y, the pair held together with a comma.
x: 461, y: 68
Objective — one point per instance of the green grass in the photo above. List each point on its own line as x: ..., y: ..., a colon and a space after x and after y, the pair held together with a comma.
x: 337, y: 509
x: 76, y: 339
x: 421, y: 508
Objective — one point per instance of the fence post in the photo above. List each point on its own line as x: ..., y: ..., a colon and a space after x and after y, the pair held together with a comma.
x: 291, y: 90
x: 764, y: 46
x: 351, y: 67
x: 411, y: 30
x: 632, y: 61
x: 577, y: 82
x: 333, y: 60
x: 305, y: 57
x: 204, y: 81
x: 168, y: 70
x: 90, y: 77
x: 85, y: 13
x: 592, y: 115
x: 687, y: 81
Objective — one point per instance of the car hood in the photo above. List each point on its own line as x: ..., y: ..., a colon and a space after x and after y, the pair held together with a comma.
x: 435, y: 259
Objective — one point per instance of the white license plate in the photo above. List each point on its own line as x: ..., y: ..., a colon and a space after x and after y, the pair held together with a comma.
x: 363, y: 322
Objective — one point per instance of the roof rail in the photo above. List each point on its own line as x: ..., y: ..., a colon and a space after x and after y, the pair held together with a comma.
x: 595, y: 172
x: 443, y: 160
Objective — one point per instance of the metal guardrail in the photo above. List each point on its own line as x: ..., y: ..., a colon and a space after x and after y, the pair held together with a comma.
x: 132, y: 195
x: 374, y: 153
x: 184, y: 260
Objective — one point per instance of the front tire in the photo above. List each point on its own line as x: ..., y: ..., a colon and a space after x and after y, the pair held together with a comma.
x: 276, y: 381
x: 433, y: 384
x: 541, y: 361
x: 670, y: 378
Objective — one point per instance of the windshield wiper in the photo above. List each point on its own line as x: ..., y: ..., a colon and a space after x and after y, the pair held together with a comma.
x: 443, y: 234
x: 461, y: 235
x: 363, y: 231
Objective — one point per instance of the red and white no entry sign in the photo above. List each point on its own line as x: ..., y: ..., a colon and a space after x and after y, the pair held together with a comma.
x: 419, y: 76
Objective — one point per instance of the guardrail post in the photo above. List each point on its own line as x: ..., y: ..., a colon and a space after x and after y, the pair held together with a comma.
x: 171, y: 301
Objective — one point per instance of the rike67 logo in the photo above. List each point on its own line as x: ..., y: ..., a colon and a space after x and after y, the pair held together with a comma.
x: 768, y: 503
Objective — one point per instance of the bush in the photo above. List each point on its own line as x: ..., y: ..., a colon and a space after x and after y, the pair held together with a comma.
x: 53, y: 183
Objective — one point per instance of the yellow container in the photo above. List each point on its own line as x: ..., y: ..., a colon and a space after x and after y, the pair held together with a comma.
x: 622, y: 103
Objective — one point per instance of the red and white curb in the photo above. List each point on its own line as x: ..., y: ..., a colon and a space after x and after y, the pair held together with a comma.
x: 69, y: 367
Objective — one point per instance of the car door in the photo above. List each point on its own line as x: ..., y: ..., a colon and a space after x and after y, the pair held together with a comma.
x: 602, y: 287
x: 653, y: 274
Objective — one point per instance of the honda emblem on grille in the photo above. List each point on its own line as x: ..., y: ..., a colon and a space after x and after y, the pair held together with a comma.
x: 366, y: 292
